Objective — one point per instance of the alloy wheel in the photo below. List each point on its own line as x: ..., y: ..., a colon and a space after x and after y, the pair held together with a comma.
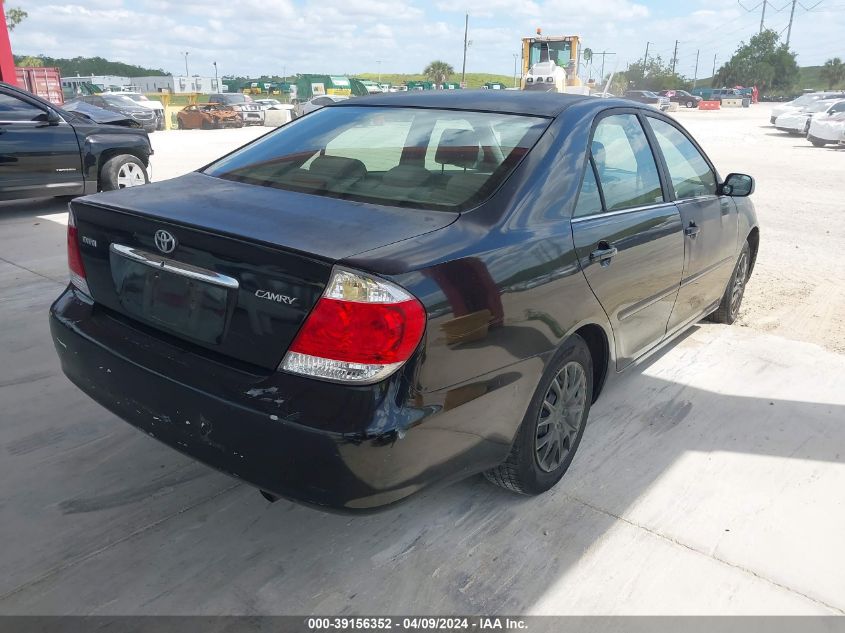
x: 738, y: 288
x: 130, y: 175
x: 560, y: 417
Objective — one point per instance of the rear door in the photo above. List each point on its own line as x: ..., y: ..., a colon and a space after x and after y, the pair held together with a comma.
x: 628, y: 237
x: 35, y: 155
x: 709, y: 220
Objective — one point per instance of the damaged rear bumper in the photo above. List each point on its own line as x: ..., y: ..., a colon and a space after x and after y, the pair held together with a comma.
x: 334, y: 446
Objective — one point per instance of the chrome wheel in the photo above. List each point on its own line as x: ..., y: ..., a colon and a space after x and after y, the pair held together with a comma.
x: 130, y: 175
x: 738, y: 288
x: 560, y: 417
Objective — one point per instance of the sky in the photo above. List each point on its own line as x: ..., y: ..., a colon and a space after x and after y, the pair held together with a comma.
x: 276, y: 37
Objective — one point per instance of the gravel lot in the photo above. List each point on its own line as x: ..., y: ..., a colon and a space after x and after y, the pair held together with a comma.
x: 709, y: 480
x: 798, y: 287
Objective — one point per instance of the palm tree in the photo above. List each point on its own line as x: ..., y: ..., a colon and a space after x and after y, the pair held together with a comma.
x: 438, y: 71
x: 833, y: 72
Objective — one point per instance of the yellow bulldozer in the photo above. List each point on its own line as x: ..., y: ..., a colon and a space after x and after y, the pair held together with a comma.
x: 550, y: 63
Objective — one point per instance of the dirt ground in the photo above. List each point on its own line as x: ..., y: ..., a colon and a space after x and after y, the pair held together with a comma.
x: 798, y: 287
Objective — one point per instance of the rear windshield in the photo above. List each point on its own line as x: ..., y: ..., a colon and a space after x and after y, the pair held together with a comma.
x: 422, y: 158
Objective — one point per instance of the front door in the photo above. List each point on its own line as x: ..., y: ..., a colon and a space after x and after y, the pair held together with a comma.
x: 710, y: 223
x: 36, y: 157
x: 629, y: 239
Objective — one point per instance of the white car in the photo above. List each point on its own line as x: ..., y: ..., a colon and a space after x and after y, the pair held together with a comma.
x: 798, y: 122
x: 288, y: 109
x: 802, y: 102
x: 829, y: 129
x: 152, y: 104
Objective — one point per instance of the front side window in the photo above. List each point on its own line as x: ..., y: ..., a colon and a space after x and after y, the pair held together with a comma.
x: 691, y: 175
x: 624, y: 163
x: 14, y: 109
x: 412, y: 157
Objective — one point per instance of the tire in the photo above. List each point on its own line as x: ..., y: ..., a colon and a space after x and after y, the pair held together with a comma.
x: 123, y: 171
x: 568, y: 376
x: 728, y: 309
x: 205, y: 125
x: 817, y: 142
x: 179, y: 124
x: 690, y: 104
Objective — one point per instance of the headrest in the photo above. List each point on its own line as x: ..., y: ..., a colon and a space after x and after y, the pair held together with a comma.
x: 406, y: 176
x: 598, y: 152
x: 337, y: 167
x: 460, y: 148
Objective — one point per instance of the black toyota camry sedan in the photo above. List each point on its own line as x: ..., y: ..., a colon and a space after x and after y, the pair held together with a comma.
x: 402, y: 289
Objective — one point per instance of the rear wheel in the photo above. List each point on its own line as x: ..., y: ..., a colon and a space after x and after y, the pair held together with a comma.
x: 121, y: 172
x: 551, y: 430
x: 817, y: 142
x: 690, y: 104
x: 728, y: 309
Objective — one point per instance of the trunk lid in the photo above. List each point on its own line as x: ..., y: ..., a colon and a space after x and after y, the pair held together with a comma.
x: 248, y: 264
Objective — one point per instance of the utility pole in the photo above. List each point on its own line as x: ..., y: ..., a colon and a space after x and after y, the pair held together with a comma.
x: 216, y: 87
x: 603, y: 54
x: 675, y: 57
x: 713, y: 76
x: 695, y: 76
x: 378, y: 61
x: 187, y: 74
x: 645, y: 57
x: 791, y: 16
x: 515, y: 58
x: 763, y: 16
x: 464, y: 67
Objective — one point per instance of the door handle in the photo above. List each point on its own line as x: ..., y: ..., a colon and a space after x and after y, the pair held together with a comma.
x: 604, y: 253
x: 692, y: 230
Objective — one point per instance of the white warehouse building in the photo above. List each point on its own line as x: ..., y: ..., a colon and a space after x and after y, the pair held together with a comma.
x: 176, y: 84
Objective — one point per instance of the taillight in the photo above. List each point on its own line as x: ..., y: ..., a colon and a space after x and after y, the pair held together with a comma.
x: 74, y: 256
x: 361, y: 331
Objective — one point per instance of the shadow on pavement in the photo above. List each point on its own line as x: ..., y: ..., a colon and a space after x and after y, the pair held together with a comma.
x: 672, y: 448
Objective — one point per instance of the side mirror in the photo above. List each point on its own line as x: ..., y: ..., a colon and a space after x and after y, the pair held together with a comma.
x: 48, y: 117
x: 737, y: 186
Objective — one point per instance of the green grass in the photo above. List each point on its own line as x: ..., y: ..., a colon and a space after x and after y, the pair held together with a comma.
x: 474, y: 80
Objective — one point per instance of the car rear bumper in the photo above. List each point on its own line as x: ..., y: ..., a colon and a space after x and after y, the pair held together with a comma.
x: 333, y: 446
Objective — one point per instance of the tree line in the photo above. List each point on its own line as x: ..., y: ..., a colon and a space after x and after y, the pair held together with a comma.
x: 85, y: 66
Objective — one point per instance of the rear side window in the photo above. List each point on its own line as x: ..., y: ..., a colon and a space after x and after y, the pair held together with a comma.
x: 413, y: 157
x: 691, y: 175
x: 624, y: 163
x: 589, y: 200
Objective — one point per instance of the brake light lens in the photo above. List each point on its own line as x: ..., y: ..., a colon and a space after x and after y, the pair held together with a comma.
x: 74, y: 257
x: 360, y: 331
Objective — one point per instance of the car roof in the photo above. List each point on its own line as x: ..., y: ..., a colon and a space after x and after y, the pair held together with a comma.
x: 546, y: 104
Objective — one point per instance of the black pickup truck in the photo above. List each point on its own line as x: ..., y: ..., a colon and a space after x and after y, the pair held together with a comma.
x: 50, y: 151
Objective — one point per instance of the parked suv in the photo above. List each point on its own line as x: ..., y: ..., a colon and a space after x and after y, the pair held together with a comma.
x: 145, y: 117
x: 649, y: 98
x: 681, y: 97
x: 50, y: 151
x: 250, y: 112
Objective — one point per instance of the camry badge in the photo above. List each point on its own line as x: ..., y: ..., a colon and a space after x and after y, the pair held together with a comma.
x: 165, y: 242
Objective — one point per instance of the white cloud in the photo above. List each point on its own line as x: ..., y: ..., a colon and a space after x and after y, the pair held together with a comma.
x: 253, y: 37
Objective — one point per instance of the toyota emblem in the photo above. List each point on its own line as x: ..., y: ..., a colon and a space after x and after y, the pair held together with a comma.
x: 165, y: 242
